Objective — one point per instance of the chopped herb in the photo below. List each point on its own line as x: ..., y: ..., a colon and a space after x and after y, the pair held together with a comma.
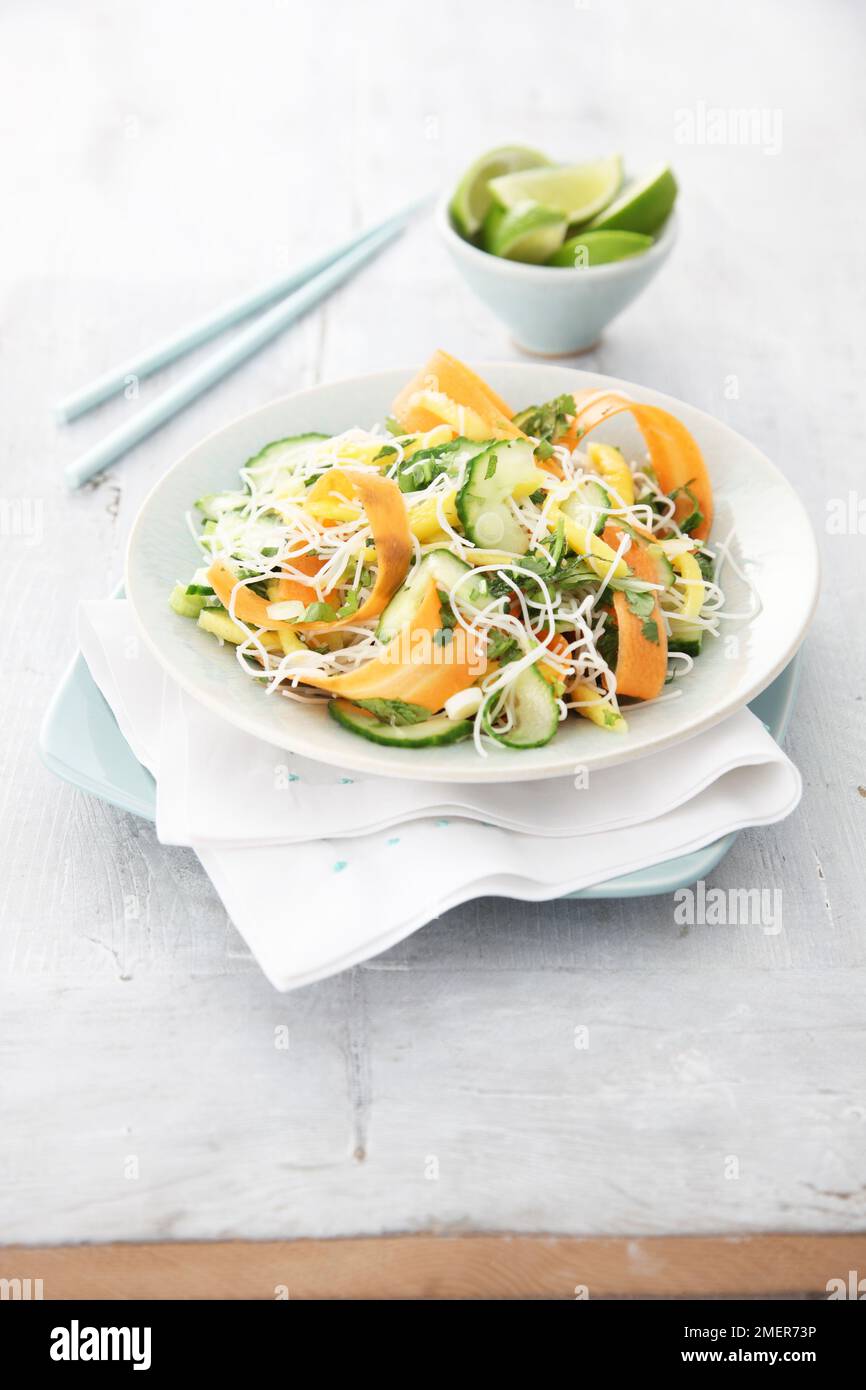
x: 650, y: 630
x: 501, y: 647
x: 607, y: 645
x: 386, y: 452
x: 546, y: 422
x: 420, y: 470
x: 393, y: 426
x: 568, y: 573
x: 269, y: 551
x: 446, y: 616
x: 544, y: 450
x: 442, y: 636
x: 395, y: 711
x: 695, y: 516
x: 538, y: 496
x: 707, y: 565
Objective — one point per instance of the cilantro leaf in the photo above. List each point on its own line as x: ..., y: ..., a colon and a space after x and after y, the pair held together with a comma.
x: 640, y: 601
x: 650, y: 630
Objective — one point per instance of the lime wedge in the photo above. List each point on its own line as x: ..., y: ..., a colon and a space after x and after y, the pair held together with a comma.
x: 599, y: 248
x: 577, y: 191
x: 643, y: 206
x: 472, y: 198
x: 527, y: 232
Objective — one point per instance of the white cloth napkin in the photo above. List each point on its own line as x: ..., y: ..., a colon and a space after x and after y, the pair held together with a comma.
x: 399, y: 853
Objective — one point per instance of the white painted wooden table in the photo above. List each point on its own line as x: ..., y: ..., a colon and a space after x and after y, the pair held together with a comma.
x: 161, y: 157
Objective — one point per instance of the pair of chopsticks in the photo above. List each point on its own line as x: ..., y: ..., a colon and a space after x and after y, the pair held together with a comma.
x: 304, y: 287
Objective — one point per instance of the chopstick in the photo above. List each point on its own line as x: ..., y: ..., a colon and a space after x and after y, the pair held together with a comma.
x: 220, y: 363
x: 150, y: 360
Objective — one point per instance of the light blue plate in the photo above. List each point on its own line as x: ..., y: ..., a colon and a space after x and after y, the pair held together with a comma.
x: 81, y: 743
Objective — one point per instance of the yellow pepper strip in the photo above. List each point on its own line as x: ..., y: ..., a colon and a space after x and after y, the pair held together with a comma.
x: 221, y: 625
x: 491, y: 557
x: 461, y: 418
x: 598, y: 709
x: 530, y: 484
x: 424, y: 519
x: 614, y: 469
x: 442, y: 434
x: 290, y: 641
x: 331, y: 511
x: 694, y: 592
x: 583, y: 542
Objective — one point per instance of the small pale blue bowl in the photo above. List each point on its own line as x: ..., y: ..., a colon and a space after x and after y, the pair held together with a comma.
x: 554, y: 310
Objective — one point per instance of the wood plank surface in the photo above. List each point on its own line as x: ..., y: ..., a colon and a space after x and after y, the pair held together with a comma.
x: 465, y: 1267
x: 159, y: 158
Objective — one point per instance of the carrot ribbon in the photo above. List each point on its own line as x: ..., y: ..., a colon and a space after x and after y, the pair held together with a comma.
x: 642, y: 653
x: 385, y: 510
x: 414, y: 666
x: 674, y: 454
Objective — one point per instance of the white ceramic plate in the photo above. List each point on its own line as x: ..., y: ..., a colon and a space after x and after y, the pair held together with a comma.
x: 773, y: 535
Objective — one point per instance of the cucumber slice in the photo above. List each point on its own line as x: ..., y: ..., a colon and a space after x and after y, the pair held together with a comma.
x: 685, y: 637
x: 216, y: 505
x: 281, y: 457
x: 184, y: 604
x: 217, y: 622
x: 666, y: 572
x: 587, y: 505
x: 491, y: 479
x: 536, y: 712
x: 446, y: 569
x: 431, y: 733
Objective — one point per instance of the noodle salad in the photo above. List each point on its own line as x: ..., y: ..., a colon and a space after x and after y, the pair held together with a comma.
x: 465, y: 571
